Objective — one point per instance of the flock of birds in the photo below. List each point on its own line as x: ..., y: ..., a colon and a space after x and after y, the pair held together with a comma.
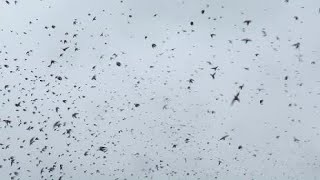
x: 159, y: 90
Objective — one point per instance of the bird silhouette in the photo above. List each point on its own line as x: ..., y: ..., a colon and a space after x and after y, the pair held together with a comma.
x: 235, y: 98
x: 223, y: 138
x: 246, y: 40
x: 247, y: 22
x: 296, y: 45
x: 213, y: 75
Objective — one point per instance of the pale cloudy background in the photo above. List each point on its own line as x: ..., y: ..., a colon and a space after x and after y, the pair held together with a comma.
x: 156, y: 111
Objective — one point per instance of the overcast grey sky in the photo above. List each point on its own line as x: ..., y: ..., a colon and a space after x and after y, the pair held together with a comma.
x: 168, y: 89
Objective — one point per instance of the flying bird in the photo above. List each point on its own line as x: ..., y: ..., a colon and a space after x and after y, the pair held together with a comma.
x: 247, y: 22
x: 246, y: 40
x: 74, y: 115
x: 296, y: 45
x: 213, y: 75
x: 103, y: 149
x: 235, y: 98
x: 7, y: 122
x: 223, y: 138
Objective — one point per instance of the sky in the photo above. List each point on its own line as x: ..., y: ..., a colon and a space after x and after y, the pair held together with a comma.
x: 170, y: 89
